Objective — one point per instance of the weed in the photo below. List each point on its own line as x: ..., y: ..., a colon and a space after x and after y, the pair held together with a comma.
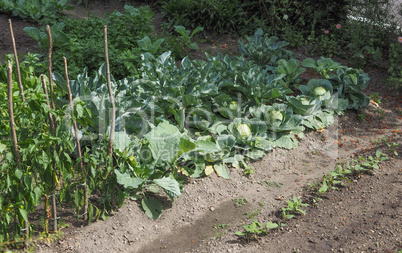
x: 220, y: 226
x: 361, y: 117
x: 240, y: 202
x: 253, y: 214
x: 273, y: 184
x: 248, y: 171
x: 392, y: 148
x: 294, y: 207
x: 375, y: 97
x: 255, y: 229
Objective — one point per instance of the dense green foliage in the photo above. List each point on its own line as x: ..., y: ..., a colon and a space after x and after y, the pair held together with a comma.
x: 38, y: 10
x: 173, y: 121
x: 243, y: 16
x: 130, y: 34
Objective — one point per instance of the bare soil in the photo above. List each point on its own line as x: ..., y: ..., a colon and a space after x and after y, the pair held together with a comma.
x: 365, y: 216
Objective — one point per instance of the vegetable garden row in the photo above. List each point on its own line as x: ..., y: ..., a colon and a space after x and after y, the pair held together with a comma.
x: 94, y: 141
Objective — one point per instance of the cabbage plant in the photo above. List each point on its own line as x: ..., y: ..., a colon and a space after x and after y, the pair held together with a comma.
x: 319, y: 88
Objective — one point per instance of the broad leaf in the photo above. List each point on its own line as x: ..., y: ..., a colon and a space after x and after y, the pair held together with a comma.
x: 164, y: 142
x: 127, y: 181
x: 170, y: 186
x: 222, y: 171
x: 152, y: 207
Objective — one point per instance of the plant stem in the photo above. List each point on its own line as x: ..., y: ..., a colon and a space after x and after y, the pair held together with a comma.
x: 14, y: 133
x: 17, y: 62
x: 70, y: 97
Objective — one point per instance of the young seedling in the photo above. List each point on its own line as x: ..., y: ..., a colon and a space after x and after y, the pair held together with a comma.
x: 253, y: 214
x: 361, y: 117
x: 256, y: 229
x: 392, y: 148
x: 294, y: 207
x: 375, y: 97
x: 240, y: 202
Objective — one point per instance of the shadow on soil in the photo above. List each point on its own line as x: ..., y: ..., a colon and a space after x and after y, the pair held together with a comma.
x: 188, y: 237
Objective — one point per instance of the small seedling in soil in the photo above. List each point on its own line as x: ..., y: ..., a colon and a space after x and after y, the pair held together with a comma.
x: 253, y: 214
x: 255, y: 229
x: 240, y: 202
x: 361, y: 117
x: 381, y: 113
x: 392, y: 148
x: 293, y: 208
x: 375, y: 98
x: 219, y: 226
x: 219, y: 235
x: 276, y: 184
x: 249, y: 171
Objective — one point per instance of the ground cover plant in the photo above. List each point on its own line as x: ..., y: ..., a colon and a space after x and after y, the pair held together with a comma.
x: 223, y: 113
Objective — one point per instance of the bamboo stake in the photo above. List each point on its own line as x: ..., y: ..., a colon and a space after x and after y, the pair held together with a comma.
x: 52, y: 129
x: 13, y: 131
x: 17, y: 61
x: 109, y: 87
x: 49, y: 33
x: 51, y: 123
x: 70, y: 97
x: 113, y: 123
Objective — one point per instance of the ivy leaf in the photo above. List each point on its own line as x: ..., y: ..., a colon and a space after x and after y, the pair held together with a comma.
x: 152, y: 207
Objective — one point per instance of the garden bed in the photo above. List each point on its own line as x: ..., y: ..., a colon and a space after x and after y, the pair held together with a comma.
x: 365, y: 215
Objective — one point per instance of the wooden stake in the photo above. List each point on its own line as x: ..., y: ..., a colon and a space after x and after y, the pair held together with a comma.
x: 17, y: 61
x: 49, y: 33
x: 13, y: 131
x: 53, y: 130
x: 113, y: 123
x: 70, y: 97
x: 51, y: 123
x: 109, y: 87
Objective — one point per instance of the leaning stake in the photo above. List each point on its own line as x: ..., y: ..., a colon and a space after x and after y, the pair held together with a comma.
x: 109, y: 87
x: 17, y: 62
x: 53, y: 130
x: 70, y: 97
x: 113, y: 123
x: 13, y: 132
x: 49, y: 66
